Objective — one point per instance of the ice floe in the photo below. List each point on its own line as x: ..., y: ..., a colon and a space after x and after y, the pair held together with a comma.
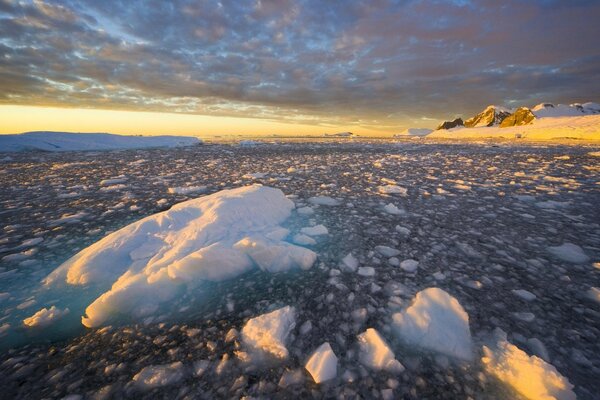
x: 45, y: 317
x: 375, y: 353
x: 435, y: 321
x: 215, y: 237
x: 530, y: 376
x: 266, y: 335
x: 569, y: 252
x: 154, y: 376
x: 322, y: 364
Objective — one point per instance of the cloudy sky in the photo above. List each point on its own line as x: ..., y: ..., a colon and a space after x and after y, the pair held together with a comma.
x: 287, y: 66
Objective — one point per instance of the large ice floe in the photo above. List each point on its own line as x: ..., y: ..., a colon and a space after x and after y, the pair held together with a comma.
x: 154, y: 260
x: 530, y: 376
x: 436, y: 321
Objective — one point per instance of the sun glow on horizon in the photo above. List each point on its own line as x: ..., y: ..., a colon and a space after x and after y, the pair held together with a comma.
x: 18, y: 119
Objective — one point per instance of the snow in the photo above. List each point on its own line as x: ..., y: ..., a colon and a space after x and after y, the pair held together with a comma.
x: 548, y: 110
x: 187, y: 190
x: 155, y: 376
x: 212, y: 238
x: 569, y: 252
x: 392, y: 189
x: 435, y: 321
x: 582, y: 127
x: 66, y: 141
x: 413, y: 132
x: 322, y: 364
x: 530, y: 376
x: 45, y: 317
x: 267, y: 334
x: 375, y: 353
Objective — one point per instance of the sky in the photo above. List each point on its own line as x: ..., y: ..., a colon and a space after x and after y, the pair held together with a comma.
x: 264, y: 67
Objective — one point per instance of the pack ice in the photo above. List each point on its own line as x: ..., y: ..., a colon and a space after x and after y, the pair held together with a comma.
x: 154, y: 260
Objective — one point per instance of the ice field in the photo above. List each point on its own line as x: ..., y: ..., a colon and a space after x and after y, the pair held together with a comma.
x: 338, y: 269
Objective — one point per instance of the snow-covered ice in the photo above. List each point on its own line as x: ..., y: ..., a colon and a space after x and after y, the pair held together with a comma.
x: 322, y: 364
x: 45, y: 317
x: 376, y: 353
x: 65, y: 141
x: 267, y: 333
x: 154, y: 376
x: 212, y: 238
x: 530, y: 376
x: 436, y: 321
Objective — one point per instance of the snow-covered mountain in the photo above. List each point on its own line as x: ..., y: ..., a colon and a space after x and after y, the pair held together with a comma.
x: 491, y: 116
x: 455, y: 123
x: 66, y: 141
x: 544, y: 110
x: 522, y: 116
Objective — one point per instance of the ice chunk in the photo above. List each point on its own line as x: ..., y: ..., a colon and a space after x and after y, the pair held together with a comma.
x: 215, y: 237
x: 393, y: 189
x: 314, y: 230
x: 305, y: 211
x: 409, y: 265
x: 569, y: 252
x: 366, y: 271
x: 324, y: 201
x: 322, y: 364
x: 531, y: 376
x: 155, y: 376
x: 435, y: 321
x: 594, y: 294
x: 392, y: 209
x: 524, y: 294
x: 187, y: 189
x: 267, y: 334
x: 375, y: 352
x: 387, y: 251
x: 304, y: 240
x: 350, y: 262
x: 45, y: 317
x: 272, y: 256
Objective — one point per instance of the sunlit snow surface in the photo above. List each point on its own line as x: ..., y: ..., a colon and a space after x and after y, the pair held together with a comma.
x: 511, y: 233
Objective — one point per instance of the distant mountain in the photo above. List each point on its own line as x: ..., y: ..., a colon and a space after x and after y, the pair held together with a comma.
x: 340, y: 134
x: 67, y: 141
x: 491, y: 116
x: 456, y: 123
x: 413, y: 132
x: 522, y: 116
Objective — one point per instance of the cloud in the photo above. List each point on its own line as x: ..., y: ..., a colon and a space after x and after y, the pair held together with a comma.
x: 332, y: 62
